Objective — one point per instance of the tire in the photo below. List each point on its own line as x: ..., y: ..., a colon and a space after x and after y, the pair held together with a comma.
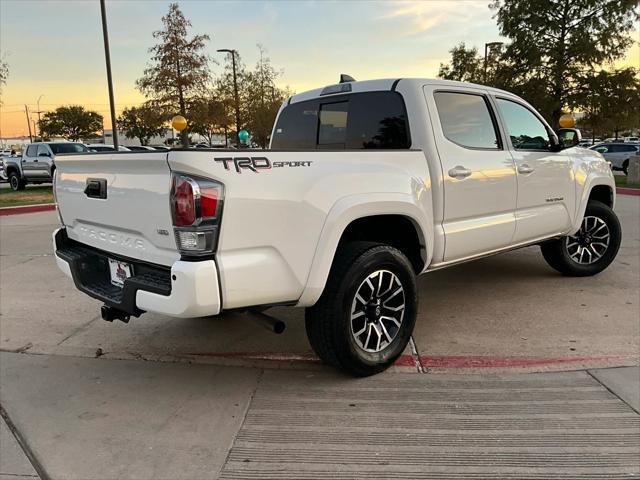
x: 586, y: 253
x: 330, y: 327
x: 625, y: 167
x: 16, y: 182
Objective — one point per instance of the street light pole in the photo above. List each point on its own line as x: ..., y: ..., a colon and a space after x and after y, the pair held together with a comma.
x: 107, y: 57
x: 39, y: 112
x: 26, y: 111
x: 487, y: 46
x: 235, y: 90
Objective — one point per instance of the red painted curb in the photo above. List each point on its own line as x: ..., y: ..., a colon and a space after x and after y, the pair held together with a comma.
x: 44, y: 207
x: 430, y: 361
x: 627, y: 191
x: 470, y: 361
x: 402, y: 361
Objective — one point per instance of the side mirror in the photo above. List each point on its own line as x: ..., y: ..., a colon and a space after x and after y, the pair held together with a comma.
x: 569, y: 137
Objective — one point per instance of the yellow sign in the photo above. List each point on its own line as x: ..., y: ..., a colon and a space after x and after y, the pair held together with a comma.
x: 567, y: 121
x: 179, y: 122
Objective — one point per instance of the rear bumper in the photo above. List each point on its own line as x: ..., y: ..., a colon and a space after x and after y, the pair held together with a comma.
x: 187, y: 289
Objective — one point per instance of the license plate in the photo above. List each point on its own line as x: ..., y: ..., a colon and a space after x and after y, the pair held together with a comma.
x: 119, y: 271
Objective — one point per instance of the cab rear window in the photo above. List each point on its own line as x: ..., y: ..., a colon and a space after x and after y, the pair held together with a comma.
x: 370, y: 120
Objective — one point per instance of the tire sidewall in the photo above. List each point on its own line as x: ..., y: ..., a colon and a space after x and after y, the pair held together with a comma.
x: 14, y: 182
x: 603, y: 212
x: 364, y: 266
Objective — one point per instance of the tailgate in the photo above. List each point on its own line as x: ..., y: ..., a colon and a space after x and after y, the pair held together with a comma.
x: 134, y: 220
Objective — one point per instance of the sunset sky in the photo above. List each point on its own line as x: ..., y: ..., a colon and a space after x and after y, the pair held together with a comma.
x: 54, y: 48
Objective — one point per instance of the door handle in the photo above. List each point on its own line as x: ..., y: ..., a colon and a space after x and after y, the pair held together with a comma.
x: 524, y: 169
x: 459, y: 172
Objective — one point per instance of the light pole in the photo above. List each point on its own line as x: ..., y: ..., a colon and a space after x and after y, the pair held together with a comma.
x: 235, y: 90
x: 487, y: 46
x: 39, y: 112
x: 26, y: 111
x: 107, y: 57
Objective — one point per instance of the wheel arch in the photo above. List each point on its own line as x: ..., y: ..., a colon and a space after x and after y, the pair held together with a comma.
x: 598, y: 188
x: 356, y: 218
x: 11, y: 169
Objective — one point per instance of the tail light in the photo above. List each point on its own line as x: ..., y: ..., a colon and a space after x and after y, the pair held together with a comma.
x: 196, y: 205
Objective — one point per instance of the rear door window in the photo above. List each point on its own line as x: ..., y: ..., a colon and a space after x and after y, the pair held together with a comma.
x: 371, y: 120
x: 32, y: 150
x: 43, y: 149
x: 466, y: 120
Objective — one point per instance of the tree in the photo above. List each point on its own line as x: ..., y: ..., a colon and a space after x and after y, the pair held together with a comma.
x: 465, y: 65
x: 225, y: 89
x: 73, y: 123
x: 211, y: 115
x: 263, y: 99
x: 179, y: 70
x: 554, y: 41
x: 611, y: 101
x: 142, y: 123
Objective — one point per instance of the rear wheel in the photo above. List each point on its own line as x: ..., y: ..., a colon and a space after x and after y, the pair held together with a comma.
x: 16, y: 182
x: 363, y: 321
x: 591, y: 249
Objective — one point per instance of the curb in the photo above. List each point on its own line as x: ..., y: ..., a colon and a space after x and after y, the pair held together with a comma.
x: 628, y: 191
x: 42, y: 207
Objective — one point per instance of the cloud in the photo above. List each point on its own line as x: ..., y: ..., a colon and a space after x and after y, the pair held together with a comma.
x: 419, y: 17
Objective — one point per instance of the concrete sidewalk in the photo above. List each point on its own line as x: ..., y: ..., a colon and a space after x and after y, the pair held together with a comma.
x: 102, y: 419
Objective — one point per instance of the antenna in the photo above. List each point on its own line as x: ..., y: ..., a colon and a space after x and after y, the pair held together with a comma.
x: 344, y: 78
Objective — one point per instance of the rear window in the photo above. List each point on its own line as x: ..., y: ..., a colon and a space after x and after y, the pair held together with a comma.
x: 57, y: 148
x: 371, y: 120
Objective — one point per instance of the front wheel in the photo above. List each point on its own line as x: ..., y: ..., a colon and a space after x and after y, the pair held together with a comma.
x: 363, y: 321
x: 591, y: 249
x: 16, y: 182
x: 625, y: 167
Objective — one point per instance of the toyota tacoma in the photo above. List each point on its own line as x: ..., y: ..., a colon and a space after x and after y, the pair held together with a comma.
x: 365, y: 186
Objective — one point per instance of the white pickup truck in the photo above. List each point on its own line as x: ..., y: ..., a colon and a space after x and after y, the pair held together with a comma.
x: 366, y: 185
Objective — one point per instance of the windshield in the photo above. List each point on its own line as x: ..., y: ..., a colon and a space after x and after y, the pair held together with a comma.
x: 57, y: 148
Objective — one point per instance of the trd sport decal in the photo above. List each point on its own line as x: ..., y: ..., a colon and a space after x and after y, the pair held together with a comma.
x: 255, y: 164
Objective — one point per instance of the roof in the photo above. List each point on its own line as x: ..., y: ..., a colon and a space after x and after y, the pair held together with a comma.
x: 389, y: 84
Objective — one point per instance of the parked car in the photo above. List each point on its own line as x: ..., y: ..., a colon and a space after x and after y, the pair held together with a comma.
x: 37, y: 162
x: 101, y: 147
x: 3, y: 173
x: 367, y: 184
x: 618, y: 154
x: 140, y: 148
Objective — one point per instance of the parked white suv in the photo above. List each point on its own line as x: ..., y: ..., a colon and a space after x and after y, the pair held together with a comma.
x: 619, y: 154
x: 366, y: 185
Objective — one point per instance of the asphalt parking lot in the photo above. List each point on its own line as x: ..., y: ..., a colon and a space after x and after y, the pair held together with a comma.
x: 224, y: 398
x: 506, y: 312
